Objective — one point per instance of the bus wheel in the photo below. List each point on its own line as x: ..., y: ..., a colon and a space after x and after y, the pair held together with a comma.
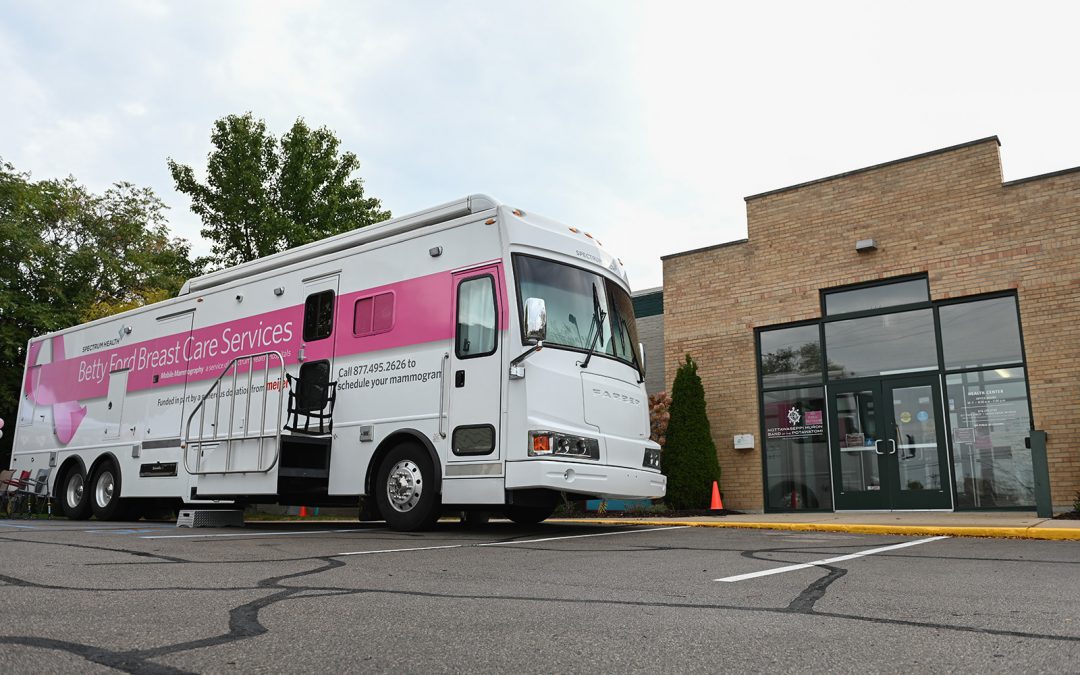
x: 105, y: 493
x: 74, y: 495
x: 529, y: 515
x: 405, y: 489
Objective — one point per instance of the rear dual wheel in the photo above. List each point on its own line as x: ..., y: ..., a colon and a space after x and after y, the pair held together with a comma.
x: 74, y: 495
x: 105, y: 498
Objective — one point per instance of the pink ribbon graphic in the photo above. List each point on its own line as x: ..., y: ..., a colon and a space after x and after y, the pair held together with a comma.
x: 67, y: 415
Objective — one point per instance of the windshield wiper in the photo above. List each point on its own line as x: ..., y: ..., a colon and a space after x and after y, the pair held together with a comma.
x: 598, y: 321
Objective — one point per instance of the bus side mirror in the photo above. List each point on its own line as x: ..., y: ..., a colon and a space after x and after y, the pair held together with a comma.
x: 535, y: 319
x: 641, y: 352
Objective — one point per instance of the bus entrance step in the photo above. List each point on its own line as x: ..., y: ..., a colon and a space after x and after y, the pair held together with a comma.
x: 210, y: 518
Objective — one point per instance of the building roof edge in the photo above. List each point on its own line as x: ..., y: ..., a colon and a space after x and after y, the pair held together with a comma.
x: 703, y: 249
x: 1041, y: 176
x: 865, y: 169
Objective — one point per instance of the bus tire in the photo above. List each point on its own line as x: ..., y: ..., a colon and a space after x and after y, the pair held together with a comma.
x: 74, y: 494
x: 105, y: 493
x: 405, y: 489
x: 529, y: 515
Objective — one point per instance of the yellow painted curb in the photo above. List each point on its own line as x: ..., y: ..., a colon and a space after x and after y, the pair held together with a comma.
x: 1051, y: 533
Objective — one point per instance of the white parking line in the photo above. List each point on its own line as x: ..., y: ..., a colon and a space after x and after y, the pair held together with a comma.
x: 580, y: 536
x: 510, y: 543
x: 402, y: 550
x: 246, y: 534
x: 826, y: 561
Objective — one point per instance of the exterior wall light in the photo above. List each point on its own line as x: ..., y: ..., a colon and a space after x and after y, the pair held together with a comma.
x: 865, y: 245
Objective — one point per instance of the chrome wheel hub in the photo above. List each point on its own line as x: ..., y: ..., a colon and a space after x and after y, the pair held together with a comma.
x: 103, y: 490
x: 74, y: 491
x: 404, y: 485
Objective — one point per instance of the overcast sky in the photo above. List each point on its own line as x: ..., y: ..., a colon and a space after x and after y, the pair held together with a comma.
x: 645, y: 123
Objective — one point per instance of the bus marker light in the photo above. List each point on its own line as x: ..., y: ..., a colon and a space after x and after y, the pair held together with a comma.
x: 541, y: 445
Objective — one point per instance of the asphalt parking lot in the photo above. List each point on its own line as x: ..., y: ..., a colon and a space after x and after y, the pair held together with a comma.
x: 313, y: 597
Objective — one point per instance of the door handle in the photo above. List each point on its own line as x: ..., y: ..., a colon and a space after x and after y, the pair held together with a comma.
x: 892, y: 444
x: 877, y: 448
x: 442, y: 394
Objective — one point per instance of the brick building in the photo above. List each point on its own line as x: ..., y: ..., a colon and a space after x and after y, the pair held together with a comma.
x: 890, y: 336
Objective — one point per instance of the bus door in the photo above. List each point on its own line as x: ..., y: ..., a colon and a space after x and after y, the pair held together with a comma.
x: 161, y: 409
x: 475, y: 374
x: 314, y: 396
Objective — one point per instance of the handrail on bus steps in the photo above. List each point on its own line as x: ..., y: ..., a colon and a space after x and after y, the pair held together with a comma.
x: 230, y: 438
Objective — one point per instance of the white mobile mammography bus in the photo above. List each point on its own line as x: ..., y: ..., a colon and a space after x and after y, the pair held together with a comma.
x: 471, y: 356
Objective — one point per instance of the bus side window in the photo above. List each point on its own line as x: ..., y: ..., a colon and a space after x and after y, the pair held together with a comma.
x: 476, y: 312
x: 373, y: 315
x: 318, y: 316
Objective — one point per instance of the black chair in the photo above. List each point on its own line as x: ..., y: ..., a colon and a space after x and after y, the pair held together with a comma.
x: 311, y: 397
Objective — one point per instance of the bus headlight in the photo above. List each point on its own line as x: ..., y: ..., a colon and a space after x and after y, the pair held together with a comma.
x: 652, y: 459
x: 552, y: 444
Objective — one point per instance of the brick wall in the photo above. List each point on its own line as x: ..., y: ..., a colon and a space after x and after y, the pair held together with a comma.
x: 946, y: 214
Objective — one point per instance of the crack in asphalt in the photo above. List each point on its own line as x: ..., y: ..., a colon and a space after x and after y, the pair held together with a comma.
x: 243, y: 624
x: 119, y: 660
x: 244, y: 620
x: 804, y: 602
x: 110, y: 549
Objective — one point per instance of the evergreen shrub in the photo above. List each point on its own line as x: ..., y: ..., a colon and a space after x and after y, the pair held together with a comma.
x: 689, y: 459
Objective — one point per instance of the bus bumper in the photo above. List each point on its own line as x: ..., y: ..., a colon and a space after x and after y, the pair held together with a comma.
x: 608, y: 482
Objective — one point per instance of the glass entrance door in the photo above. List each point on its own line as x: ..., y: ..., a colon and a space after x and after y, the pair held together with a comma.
x: 888, y: 444
x: 859, y: 469
x: 916, y: 442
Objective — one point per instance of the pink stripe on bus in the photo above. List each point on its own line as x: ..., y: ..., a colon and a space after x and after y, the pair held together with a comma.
x: 423, y: 313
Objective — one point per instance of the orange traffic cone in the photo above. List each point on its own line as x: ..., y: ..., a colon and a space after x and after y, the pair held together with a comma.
x: 717, y: 503
x: 303, y: 512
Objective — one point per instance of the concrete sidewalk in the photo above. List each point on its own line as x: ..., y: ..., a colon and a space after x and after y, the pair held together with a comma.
x: 1005, y: 524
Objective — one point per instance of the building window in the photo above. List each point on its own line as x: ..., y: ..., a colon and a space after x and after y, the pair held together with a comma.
x: 790, y: 356
x: 796, y: 449
x: 981, y: 333
x: 890, y: 353
x: 885, y: 344
x: 373, y: 315
x: 990, y: 422
x: 876, y: 297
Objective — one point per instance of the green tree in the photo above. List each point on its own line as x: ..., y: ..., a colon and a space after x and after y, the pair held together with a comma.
x: 689, y: 459
x: 264, y: 195
x: 69, y: 256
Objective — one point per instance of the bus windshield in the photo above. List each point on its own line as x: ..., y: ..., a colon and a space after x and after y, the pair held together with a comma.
x: 571, y: 295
